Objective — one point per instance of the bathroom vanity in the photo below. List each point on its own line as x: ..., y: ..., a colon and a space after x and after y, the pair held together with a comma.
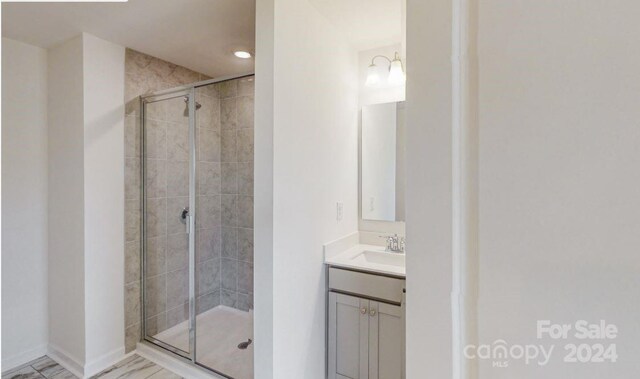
x: 366, y: 279
x: 365, y: 313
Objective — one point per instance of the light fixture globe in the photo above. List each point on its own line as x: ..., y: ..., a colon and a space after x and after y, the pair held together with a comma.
x: 396, y: 72
x: 373, y: 76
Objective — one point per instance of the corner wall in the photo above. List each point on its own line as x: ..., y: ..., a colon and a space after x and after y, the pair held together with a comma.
x: 559, y: 178
x: 86, y: 192
x: 24, y: 203
x: 429, y: 196
x: 314, y: 155
x: 103, y: 72
x: 66, y: 202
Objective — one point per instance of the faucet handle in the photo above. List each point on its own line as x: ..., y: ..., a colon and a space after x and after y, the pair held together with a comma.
x: 389, y: 240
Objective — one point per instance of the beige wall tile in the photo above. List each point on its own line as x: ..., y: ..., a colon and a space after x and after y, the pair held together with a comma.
x: 229, y: 243
x: 156, y: 139
x: 228, y: 204
x: 228, y: 114
x: 245, y: 145
x: 132, y: 220
x: 132, y: 262
x: 246, y: 86
x: 177, y: 288
x: 229, y: 180
x: 229, y: 149
x: 209, y: 145
x: 245, y: 111
x: 208, y: 178
x: 209, y: 114
x: 155, y: 171
x: 156, y: 257
x: 227, y: 89
x: 132, y: 136
x: 245, y: 244
x: 177, y: 179
x: 132, y: 178
x: 132, y: 304
x: 245, y: 211
x: 132, y: 336
x: 155, y: 295
x: 178, y: 142
x: 245, y: 178
x: 156, y: 217
x: 209, y: 244
x: 208, y: 276
x: 177, y: 251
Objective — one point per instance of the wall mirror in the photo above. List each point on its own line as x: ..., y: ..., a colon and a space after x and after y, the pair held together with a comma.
x: 382, y: 165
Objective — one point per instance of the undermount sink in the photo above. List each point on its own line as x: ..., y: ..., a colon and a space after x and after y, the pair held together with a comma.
x: 380, y: 258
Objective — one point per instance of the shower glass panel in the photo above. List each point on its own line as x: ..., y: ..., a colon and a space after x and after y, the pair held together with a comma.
x: 198, y: 223
x: 166, y: 169
x: 224, y: 227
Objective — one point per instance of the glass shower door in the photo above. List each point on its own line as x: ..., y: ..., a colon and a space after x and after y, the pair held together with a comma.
x: 168, y: 230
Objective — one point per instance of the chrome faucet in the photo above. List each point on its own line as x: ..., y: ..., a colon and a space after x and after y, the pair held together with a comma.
x: 395, y: 243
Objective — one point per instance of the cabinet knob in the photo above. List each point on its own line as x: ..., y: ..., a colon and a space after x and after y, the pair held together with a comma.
x: 372, y: 312
x: 363, y: 311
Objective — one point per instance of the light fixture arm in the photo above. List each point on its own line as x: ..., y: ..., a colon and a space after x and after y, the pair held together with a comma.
x: 380, y: 56
x: 395, y: 58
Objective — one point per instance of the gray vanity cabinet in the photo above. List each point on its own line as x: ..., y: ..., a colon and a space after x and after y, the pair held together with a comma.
x: 386, y: 341
x: 348, y: 337
x: 365, y: 337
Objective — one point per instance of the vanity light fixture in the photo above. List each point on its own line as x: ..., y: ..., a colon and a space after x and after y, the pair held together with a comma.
x: 242, y: 54
x: 396, y: 71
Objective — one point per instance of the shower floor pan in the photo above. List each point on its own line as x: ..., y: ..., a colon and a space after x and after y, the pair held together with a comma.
x: 219, y: 332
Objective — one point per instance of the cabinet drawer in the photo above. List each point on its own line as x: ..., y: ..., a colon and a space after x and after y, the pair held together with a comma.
x: 368, y: 285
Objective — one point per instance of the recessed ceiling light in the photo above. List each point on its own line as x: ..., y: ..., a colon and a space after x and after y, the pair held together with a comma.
x: 242, y: 54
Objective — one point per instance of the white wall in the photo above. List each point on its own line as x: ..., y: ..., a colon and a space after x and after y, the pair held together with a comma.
x: 86, y: 196
x: 559, y: 176
x: 66, y: 201
x: 429, y: 195
x: 24, y: 202
x: 315, y: 102
x: 103, y: 81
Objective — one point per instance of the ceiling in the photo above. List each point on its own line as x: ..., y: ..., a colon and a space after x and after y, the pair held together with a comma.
x: 367, y: 24
x: 198, y: 34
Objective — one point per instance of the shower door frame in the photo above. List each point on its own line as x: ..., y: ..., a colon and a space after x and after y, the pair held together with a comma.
x: 189, y: 94
x: 188, y: 90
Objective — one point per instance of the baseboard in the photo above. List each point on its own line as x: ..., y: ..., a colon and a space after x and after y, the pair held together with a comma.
x: 105, y: 361
x: 66, y: 360
x: 20, y: 359
x: 174, y: 364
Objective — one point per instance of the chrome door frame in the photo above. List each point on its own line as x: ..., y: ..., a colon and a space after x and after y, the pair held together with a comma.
x: 144, y: 100
x: 188, y: 90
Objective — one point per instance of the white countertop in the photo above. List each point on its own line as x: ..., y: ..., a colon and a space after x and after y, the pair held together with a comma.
x: 348, y: 252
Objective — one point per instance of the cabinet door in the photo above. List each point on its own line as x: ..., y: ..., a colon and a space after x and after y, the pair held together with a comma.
x: 348, y: 337
x: 386, y: 341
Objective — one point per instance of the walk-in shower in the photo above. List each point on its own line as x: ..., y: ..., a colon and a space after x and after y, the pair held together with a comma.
x: 197, y: 223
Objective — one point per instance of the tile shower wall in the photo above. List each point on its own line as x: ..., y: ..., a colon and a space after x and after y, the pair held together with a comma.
x: 224, y: 202
x: 236, y: 167
x: 145, y: 74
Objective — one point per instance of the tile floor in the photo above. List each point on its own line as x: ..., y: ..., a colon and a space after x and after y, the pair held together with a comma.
x: 134, y: 367
x: 43, y: 367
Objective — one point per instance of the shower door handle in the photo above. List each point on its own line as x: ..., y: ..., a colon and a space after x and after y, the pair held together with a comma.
x: 189, y: 223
